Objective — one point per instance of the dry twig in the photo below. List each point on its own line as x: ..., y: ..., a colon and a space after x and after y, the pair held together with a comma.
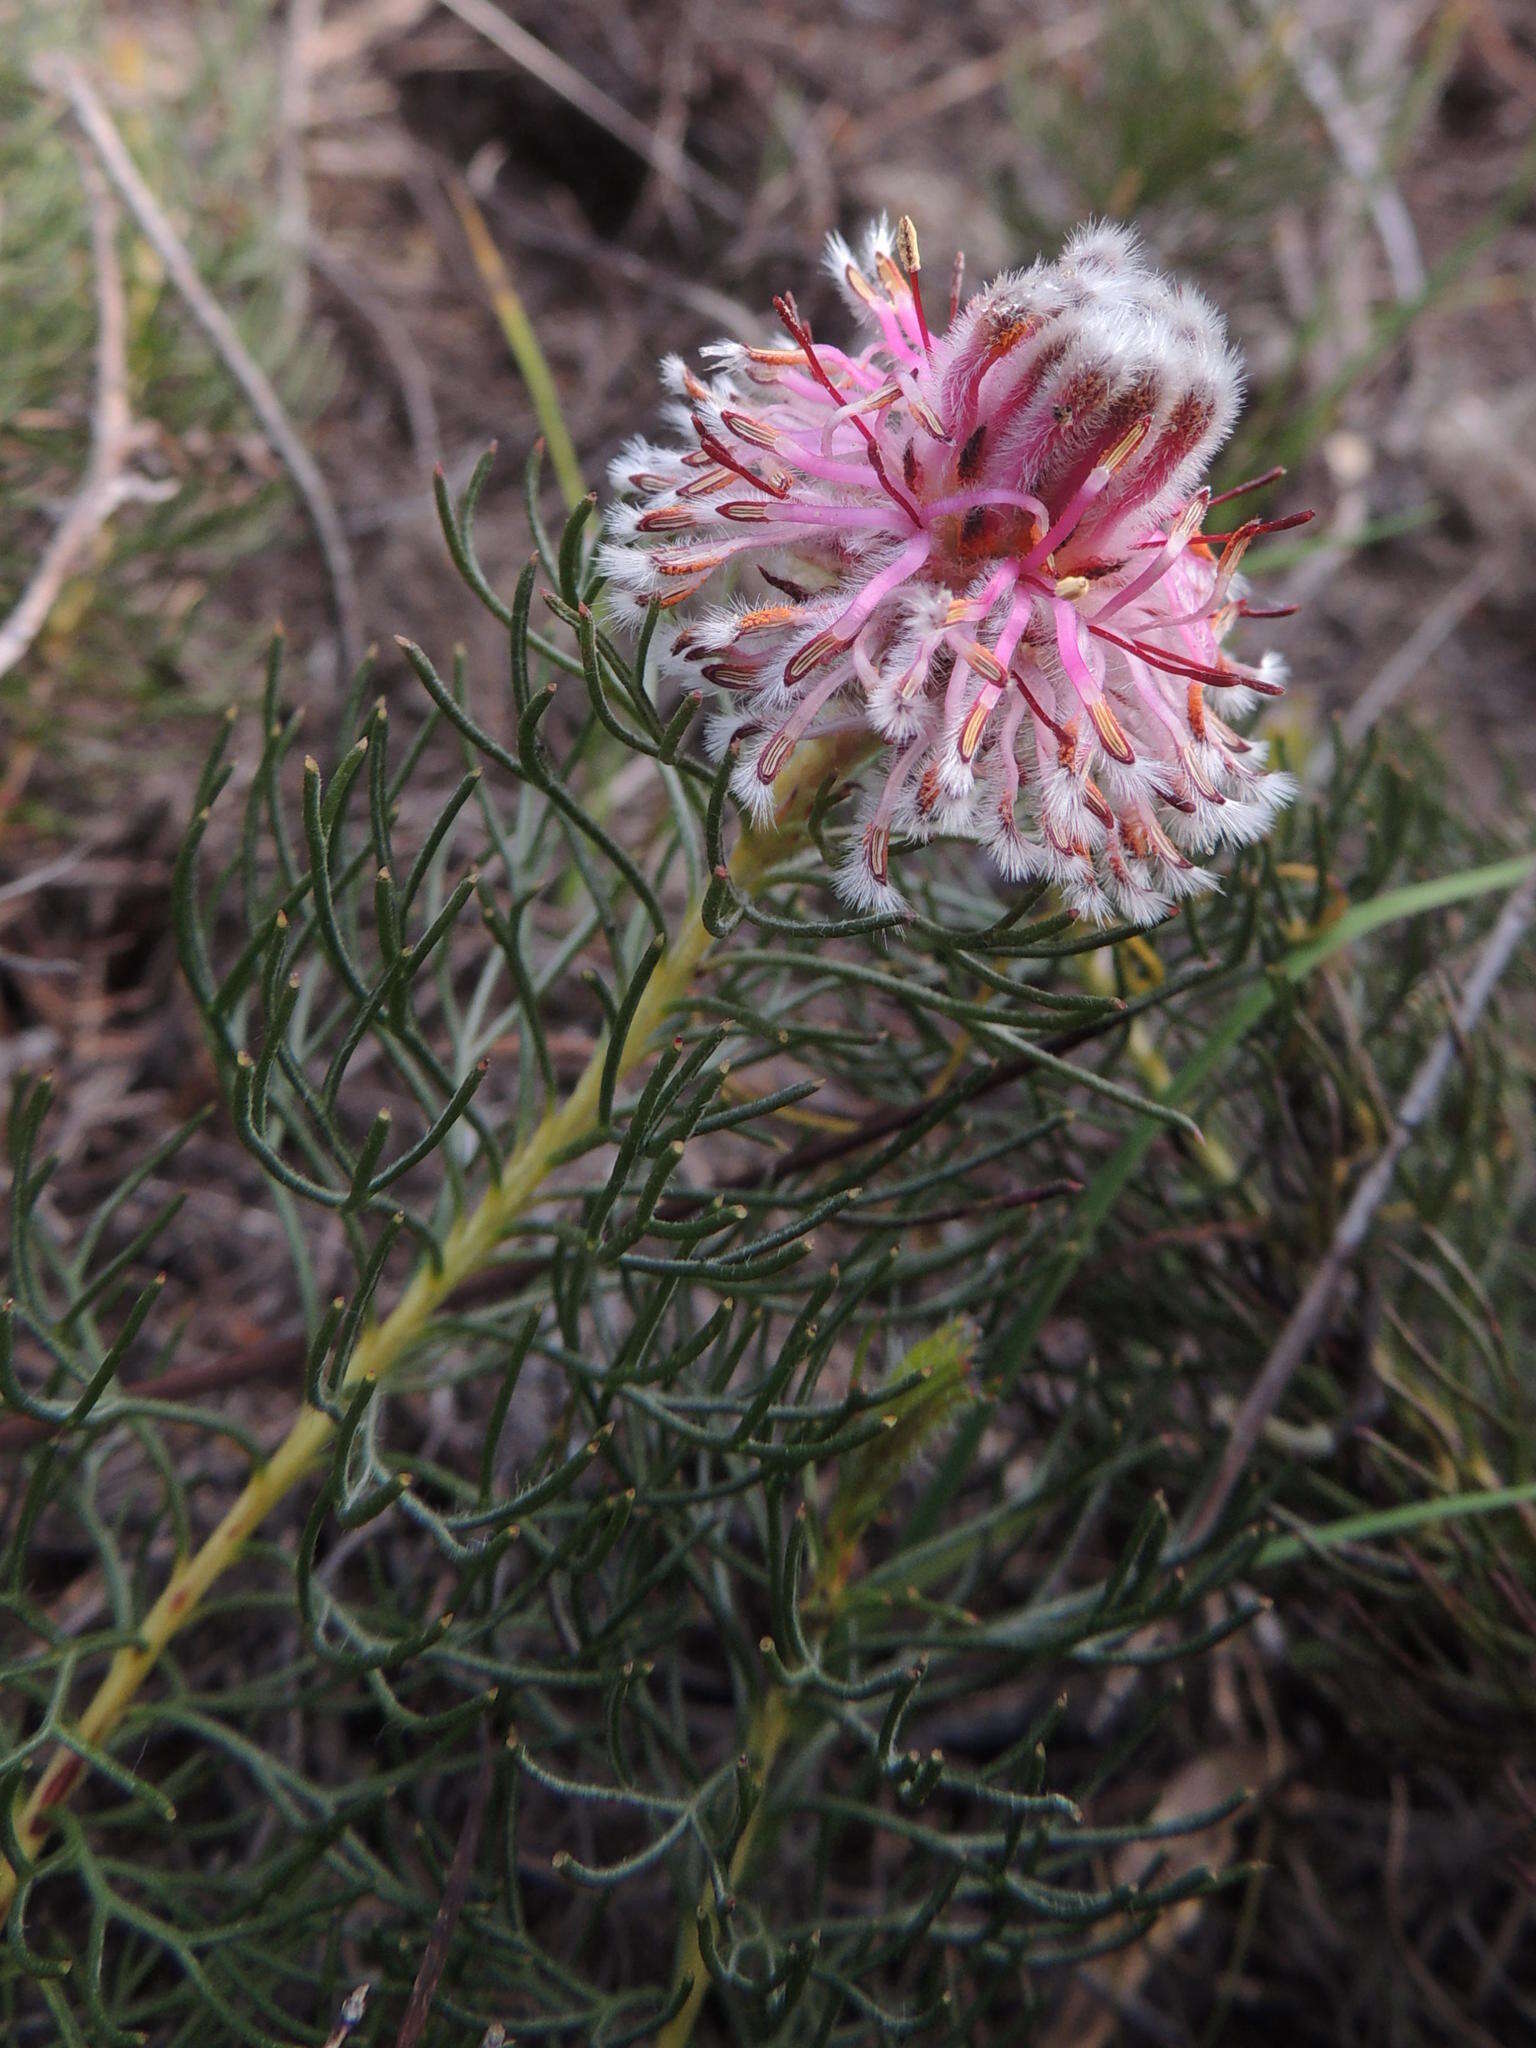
x: 1311, y: 1312
x: 455, y: 1891
x: 1357, y: 150
x: 1420, y: 648
x: 62, y: 75
x: 1406, y: 661
x: 116, y: 437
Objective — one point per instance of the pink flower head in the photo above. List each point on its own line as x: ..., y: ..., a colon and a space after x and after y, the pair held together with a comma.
x: 984, y: 548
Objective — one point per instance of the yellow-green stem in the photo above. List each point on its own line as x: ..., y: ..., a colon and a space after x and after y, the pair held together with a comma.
x: 1212, y: 1155
x: 468, y: 1245
x: 767, y: 1731
x: 765, y: 1738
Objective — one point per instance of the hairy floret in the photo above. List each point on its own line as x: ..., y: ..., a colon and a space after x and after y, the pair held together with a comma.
x: 985, y: 547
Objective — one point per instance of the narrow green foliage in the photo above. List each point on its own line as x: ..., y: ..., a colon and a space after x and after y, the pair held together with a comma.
x: 737, y: 1397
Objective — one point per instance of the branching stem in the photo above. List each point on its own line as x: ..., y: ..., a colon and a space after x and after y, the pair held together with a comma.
x: 467, y: 1247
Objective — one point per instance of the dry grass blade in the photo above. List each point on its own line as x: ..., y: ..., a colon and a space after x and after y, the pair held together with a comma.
x: 1406, y: 662
x: 522, y: 341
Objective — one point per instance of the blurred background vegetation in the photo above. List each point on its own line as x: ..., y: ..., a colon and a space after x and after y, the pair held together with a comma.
x: 388, y: 203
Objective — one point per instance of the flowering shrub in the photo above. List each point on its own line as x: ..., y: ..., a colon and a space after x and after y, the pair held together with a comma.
x: 1009, y: 585
x: 720, y: 1570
